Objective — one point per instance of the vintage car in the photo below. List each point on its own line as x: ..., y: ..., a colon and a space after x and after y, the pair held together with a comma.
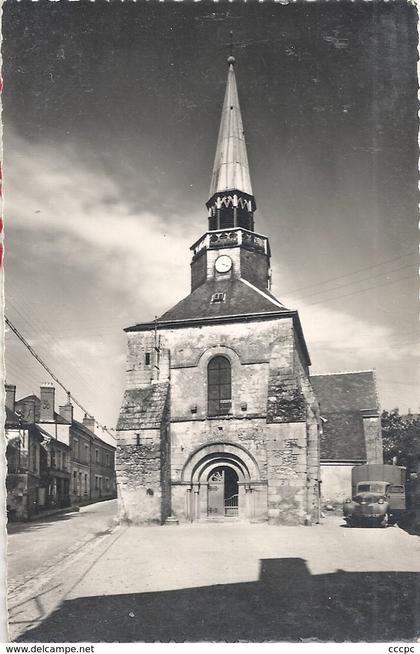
x: 374, y: 502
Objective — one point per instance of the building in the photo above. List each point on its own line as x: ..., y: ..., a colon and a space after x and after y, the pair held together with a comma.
x: 52, y: 459
x: 102, y: 475
x: 219, y: 418
x: 351, y: 428
x: 23, y: 444
x: 80, y: 447
x: 54, y: 489
x: 92, y: 462
x: 38, y: 454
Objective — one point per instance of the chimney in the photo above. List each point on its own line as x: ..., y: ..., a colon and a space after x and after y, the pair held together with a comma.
x: 10, y: 390
x: 66, y: 412
x: 47, y: 402
x: 89, y: 423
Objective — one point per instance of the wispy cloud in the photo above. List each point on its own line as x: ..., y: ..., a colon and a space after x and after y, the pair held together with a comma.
x: 49, y: 190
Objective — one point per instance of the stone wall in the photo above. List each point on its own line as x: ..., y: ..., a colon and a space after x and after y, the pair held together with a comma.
x: 336, y: 483
x: 142, y: 470
x: 373, y: 439
x: 286, y: 471
x: 313, y: 438
x: 286, y: 401
x: 273, y: 418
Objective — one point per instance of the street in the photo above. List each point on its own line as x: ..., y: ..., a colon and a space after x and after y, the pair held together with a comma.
x: 214, y: 582
x: 34, y: 547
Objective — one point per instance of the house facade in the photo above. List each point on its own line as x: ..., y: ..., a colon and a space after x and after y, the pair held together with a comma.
x: 102, y: 474
x: 51, y: 461
x: 54, y: 453
x: 23, y: 444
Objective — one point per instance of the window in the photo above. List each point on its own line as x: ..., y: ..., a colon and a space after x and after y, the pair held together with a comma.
x: 75, y: 482
x: 86, y: 453
x: 107, y: 459
x: 147, y: 358
x: 75, y: 448
x: 86, y: 484
x: 52, y: 458
x: 96, y: 482
x: 97, y: 456
x: 106, y: 483
x: 219, y: 386
x: 216, y: 298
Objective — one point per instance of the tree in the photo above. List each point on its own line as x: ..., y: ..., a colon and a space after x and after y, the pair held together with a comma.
x: 400, y: 436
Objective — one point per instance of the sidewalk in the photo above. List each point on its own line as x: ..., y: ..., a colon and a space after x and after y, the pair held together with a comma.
x: 233, y: 582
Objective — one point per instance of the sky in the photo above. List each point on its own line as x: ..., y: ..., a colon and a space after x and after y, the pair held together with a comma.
x: 110, y: 121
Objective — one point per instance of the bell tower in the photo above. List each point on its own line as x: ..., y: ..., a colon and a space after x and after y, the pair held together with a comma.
x: 231, y: 249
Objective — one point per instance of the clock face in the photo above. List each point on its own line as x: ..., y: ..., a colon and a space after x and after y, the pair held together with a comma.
x: 223, y: 263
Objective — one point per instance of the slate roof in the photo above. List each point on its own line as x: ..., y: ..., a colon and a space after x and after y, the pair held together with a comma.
x: 57, y: 418
x: 143, y: 408
x: 344, y: 398
x: 241, y: 298
x: 346, y: 391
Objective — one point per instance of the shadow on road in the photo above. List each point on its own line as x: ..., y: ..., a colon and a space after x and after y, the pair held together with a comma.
x: 287, y: 603
x: 411, y: 523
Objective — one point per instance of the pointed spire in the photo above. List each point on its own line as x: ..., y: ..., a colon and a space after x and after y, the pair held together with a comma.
x: 231, y: 170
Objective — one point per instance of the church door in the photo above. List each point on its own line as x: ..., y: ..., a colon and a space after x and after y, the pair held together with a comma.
x: 222, y: 493
x: 216, y: 494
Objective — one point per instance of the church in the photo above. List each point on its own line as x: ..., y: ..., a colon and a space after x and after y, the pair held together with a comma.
x: 219, y: 420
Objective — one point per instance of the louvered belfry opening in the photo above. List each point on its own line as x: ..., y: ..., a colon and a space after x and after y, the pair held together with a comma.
x: 219, y: 386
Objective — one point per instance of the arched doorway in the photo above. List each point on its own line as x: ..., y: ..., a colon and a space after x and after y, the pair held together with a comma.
x: 222, y: 493
x: 234, y: 475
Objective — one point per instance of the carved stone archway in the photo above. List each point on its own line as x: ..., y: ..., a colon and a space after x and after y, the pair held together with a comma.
x: 199, y: 467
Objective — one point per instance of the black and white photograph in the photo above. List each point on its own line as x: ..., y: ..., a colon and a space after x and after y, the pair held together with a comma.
x: 211, y: 321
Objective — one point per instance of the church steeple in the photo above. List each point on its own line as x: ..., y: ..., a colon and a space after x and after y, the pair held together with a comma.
x: 231, y: 252
x: 231, y: 202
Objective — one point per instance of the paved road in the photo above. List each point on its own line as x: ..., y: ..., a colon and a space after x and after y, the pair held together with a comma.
x: 35, y: 545
x: 231, y: 582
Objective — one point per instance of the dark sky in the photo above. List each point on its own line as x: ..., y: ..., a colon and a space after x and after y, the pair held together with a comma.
x: 111, y: 114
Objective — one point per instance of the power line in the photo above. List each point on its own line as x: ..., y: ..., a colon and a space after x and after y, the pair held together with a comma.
x: 358, y: 281
x: 354, y: 272
x: 49, y: 371
x: 356, y: 348
x: 41, y: 331
x: 362, y: 290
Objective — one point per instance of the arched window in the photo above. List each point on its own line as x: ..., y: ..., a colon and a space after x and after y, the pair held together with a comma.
x: 219, y: 386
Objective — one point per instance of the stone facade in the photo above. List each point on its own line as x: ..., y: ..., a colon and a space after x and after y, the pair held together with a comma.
x: 271, y: 433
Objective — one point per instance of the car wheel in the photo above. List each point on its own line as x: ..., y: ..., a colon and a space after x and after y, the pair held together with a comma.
x: 385, y: 521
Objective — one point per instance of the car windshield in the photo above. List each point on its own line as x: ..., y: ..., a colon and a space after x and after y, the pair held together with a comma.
x: 371, y: 487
